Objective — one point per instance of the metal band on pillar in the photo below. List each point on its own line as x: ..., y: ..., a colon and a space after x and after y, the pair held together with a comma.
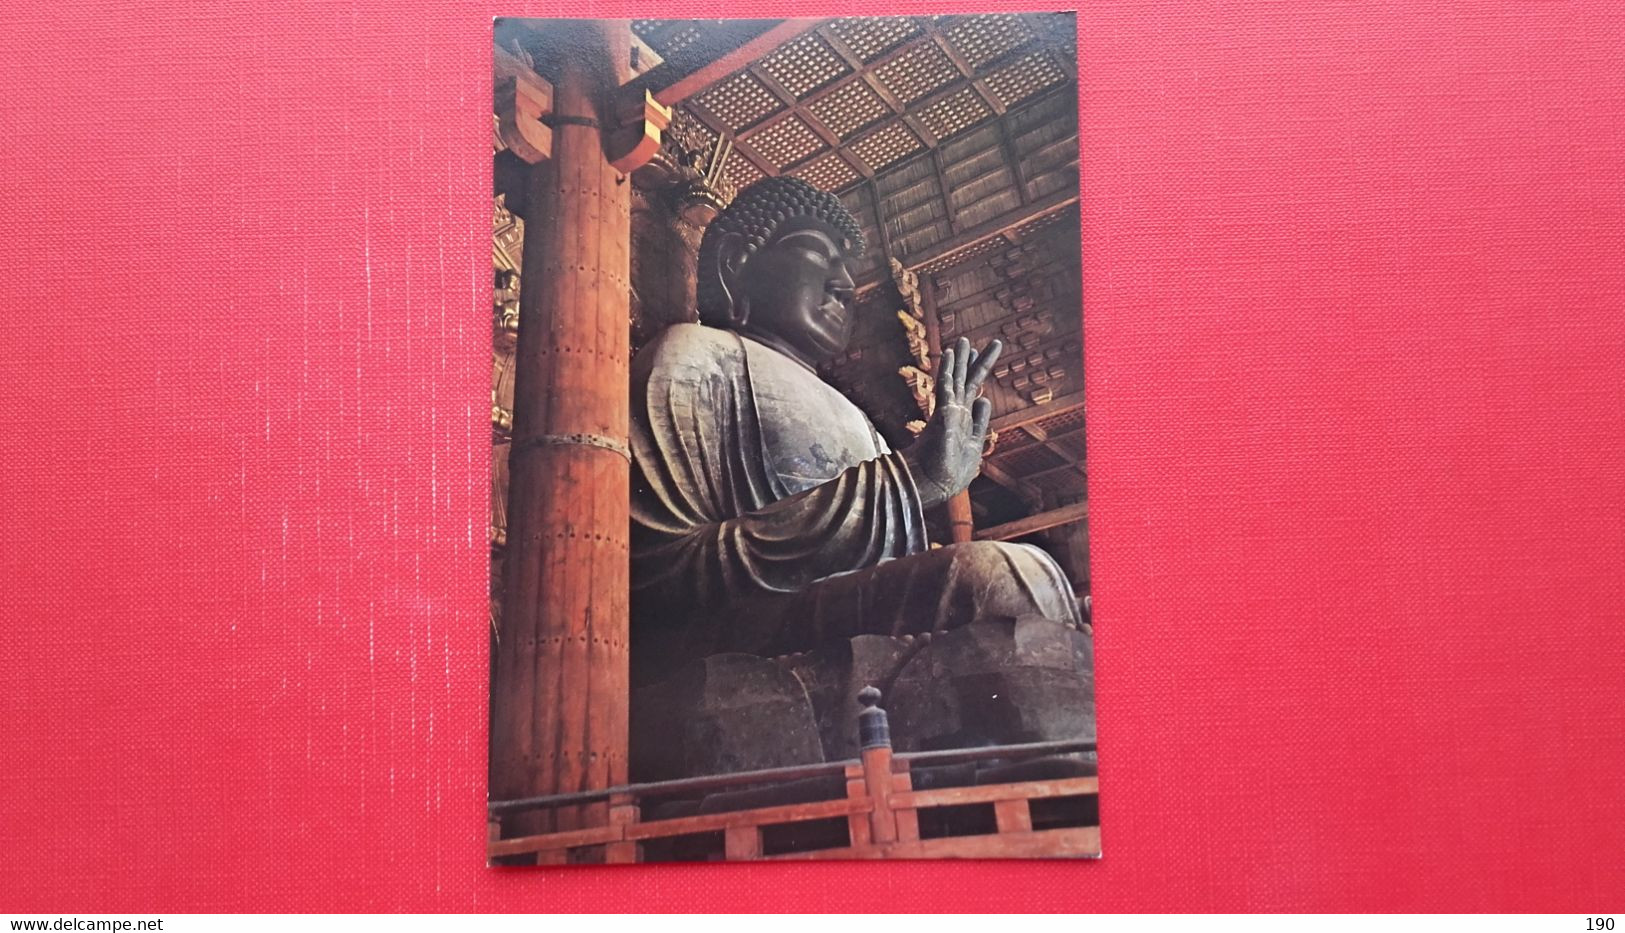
x: 600, y: 441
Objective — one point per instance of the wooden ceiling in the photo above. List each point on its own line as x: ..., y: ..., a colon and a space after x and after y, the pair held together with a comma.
x: 848, y: 98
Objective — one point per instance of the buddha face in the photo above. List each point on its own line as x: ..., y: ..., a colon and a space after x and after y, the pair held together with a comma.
x: 797, y: 292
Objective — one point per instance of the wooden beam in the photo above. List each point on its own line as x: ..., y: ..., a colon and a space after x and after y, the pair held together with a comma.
x: 1070, y: 464
x: 1013, y: 156
x: 1057, y: 201
x: 1065, y: 515
x: 947, y: 194
x: 866, y: 74
x: 880, y: 225
x: 689, y: 85
x: 745, y: 150
x: 1031, y: 413
x: 982, y: 90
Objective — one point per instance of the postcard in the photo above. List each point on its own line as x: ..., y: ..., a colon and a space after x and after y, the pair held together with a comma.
x: 789, y: 531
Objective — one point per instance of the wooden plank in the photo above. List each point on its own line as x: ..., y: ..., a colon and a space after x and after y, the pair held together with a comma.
x: 961, y: 525
x: 844, y: 852
x: 543, y: 842
x: 988, y: 793
x: 1071, y: 464
x: 1065, y: 515
x: 857, y: 824
x: 908, y: 821
x: 680, y: 785
x: 711, y: 822
x: 1074, y: 842
x: 716, y: 70
x: 1050, y: 843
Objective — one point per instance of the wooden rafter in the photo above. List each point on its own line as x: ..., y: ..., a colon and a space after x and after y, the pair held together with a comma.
x: 1059, y: 405
x: 947, y: 193
x: 982, y: 90
x: 997, y: 226
x: 718, y: 69
x: 998, y: 475
x: 886, y: 247
x: 825, y: 135
x: 716, y: 125
x: 1070, y: 464
x: 1032, y: 524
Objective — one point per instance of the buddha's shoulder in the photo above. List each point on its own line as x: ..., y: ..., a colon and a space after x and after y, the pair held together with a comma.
x: 684, y: 351
x: 685, y: 341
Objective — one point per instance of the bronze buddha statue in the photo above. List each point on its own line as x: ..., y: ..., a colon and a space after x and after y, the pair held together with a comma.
x: 772, y: 521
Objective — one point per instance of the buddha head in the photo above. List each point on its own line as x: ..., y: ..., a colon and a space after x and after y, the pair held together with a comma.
x: 774, y: 265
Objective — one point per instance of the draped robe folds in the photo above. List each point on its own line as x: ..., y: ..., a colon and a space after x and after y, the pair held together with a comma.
x: 768, y: 515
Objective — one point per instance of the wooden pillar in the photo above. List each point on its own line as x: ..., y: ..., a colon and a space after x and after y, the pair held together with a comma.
x: 961, y: 527
x: 560, y: 691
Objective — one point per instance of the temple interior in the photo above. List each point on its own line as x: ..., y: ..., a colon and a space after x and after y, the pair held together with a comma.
x: 953, y: 140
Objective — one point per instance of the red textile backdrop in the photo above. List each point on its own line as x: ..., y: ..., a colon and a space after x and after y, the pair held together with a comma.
x: 1355, y: 280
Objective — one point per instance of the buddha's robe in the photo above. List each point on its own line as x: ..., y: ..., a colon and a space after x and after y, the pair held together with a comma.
x: 769, y: 516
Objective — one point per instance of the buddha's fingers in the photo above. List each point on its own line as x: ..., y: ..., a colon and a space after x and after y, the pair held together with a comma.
x: 981, y: 418
x: 984, y: 366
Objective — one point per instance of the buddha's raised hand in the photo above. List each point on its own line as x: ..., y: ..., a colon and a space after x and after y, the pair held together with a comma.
x: 948, y: 453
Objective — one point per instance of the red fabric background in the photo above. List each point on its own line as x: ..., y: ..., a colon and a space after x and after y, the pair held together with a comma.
x: 1356, y: 354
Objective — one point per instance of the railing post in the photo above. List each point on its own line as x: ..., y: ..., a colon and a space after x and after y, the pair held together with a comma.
x: 623, y: 812
x: 1013, y: 816
x: 742, y: 843
x: 874, y: 737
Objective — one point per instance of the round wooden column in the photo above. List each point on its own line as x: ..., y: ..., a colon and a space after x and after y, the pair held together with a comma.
x: 961, y: 526
x: 560, y: 695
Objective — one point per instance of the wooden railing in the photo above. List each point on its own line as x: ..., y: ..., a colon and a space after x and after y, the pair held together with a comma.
x: 881, y: 808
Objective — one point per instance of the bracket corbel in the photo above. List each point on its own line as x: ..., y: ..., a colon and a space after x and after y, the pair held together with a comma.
x: 640, y: 120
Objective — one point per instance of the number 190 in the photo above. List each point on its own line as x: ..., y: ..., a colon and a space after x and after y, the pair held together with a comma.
x: 1599, y: 923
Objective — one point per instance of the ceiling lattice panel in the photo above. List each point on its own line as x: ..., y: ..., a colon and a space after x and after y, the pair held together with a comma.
x: 804, y: 65
x: 872, y: 37
x: 1025, y: 77
x: 739, y: 102
x: 955, y: 113
x: 830, y: 173
x: 917, y: 72
x: 981, y: 39
x: 876, y: 91
x: 887, y: 146
x: 852, y: 107
x: 785, y: 142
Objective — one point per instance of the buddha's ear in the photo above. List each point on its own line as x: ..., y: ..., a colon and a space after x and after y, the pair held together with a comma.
x: 730, y: 263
